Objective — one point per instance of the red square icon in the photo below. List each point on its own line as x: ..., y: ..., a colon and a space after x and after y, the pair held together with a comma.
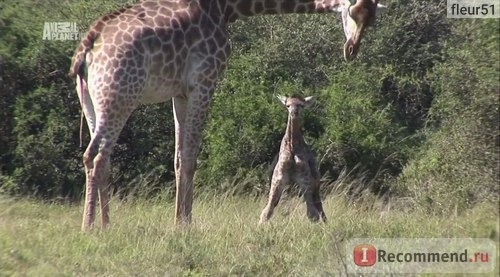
x: 365, y: 255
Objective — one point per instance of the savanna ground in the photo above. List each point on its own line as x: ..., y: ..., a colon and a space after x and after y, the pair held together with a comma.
x: 43, y: 239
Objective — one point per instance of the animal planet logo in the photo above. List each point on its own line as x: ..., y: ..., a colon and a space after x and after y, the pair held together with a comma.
x: 60, y: 31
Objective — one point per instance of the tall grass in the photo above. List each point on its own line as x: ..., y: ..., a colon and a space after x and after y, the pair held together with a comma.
x: 44, y: 239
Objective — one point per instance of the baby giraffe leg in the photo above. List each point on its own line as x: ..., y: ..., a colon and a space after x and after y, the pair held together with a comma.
x: 274, y: 198
x: 312, y: 211
x: 315, y: 185
x: 317, y: 201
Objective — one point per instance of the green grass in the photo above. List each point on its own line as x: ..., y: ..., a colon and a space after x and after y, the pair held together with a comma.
x: 40, y: 239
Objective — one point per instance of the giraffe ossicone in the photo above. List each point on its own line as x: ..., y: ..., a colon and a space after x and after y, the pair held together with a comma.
x: 157, y: 50
x: 296, y: 164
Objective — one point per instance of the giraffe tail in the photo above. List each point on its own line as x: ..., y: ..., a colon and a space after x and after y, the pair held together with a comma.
x: 87, y: 42
x: 79, y: 66
x: 80, y: 61
x: 78, y: 70
x: 82, y: 114
x: 81, y: 80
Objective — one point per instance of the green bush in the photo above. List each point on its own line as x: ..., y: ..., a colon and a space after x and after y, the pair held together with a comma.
x: 245, y: 124
x: 457, y: 167
x: 144, y: 153
x: 43, y: 138
x: 360, y: 130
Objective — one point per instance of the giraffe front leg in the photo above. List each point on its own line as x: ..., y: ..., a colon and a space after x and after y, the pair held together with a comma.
x: 306, y: 185
x: 190, y: 115
x: 184, y: 171
x: 316, y: 177
x: 274, y: 197
x: 312, y: 212
x: 316, y: 198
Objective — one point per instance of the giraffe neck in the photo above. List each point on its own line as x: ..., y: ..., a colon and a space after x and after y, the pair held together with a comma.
x: 293, y: 134
x: 235, y: 9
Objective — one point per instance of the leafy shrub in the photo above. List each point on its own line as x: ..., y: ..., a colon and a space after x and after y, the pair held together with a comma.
x: 360, y: 130
x: 458, y: 165
x: 43, y: 137
x: 245, y: 124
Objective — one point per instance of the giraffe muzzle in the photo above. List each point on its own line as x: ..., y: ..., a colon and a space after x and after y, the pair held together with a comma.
x: 350, y: 50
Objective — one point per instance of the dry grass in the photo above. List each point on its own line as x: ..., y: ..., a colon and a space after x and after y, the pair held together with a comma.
x: 39, y: 239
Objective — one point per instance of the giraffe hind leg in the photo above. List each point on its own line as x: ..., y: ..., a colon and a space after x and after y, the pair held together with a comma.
x: 97, y: 166
x: 91, y: 152
x: 104, y: 195
x: 90, y: 185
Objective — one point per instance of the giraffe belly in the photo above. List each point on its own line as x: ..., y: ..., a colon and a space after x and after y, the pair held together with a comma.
x: 301, y: 165
x: 299, y: 161
x: 172, y: 81
x: 161, y: 93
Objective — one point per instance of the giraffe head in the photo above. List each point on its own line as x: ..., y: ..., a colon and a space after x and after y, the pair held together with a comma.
x: 356, y: 16
x: 295, y: 104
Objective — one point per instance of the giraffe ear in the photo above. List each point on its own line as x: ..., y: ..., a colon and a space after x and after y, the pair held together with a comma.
x: 380, y: 9
x: 338, y: 8
x: 309, y: 101
x: 282, y: 99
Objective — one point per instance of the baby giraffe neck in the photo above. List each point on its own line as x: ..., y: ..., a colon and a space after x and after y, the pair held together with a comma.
x: 293, y: 134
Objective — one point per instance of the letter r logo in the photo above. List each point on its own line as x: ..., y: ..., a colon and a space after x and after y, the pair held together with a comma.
x: 365, y: 255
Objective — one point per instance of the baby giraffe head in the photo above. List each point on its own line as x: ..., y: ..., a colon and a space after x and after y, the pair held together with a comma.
x: 295, y: 104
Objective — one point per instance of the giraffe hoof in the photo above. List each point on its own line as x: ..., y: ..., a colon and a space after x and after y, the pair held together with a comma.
x: 263, y: 219
x: 314, y: 216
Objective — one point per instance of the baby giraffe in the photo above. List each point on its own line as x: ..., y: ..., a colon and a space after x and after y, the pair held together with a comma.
x: 296, y: 164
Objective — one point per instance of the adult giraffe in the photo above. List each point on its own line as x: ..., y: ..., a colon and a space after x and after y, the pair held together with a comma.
x: 158, y: 50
